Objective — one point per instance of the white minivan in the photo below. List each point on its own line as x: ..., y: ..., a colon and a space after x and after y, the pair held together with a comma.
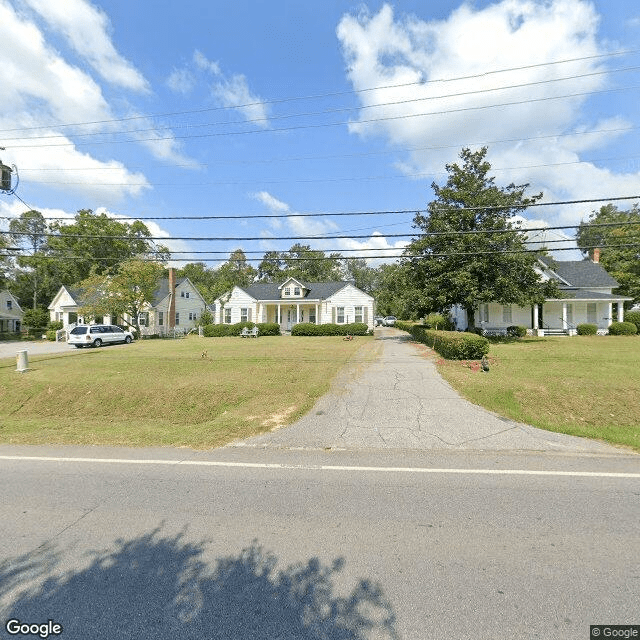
x: 95, y: 335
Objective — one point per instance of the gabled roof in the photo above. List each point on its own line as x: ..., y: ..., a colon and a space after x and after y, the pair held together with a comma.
x: 163, y: 290
x: 581, y: 273
x: 313, y: 290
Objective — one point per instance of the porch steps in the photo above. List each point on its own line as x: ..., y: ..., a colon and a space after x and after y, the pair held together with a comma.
x: 555, y: 332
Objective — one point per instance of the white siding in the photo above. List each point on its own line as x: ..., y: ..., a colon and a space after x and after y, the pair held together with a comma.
x: 239, y: 299
x: 348, y: 297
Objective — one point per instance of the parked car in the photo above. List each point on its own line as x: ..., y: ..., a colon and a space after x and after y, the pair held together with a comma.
x: 378, y: 321
x: 389, y: 321
x: 95, y: 335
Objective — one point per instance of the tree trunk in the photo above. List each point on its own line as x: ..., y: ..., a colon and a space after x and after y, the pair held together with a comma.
x: 471, y: 319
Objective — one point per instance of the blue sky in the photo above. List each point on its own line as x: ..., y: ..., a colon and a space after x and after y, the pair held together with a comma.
x: 249, y: 108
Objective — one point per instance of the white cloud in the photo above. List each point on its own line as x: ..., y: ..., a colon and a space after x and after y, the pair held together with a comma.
x: 181, y: 81
x: 230, y: 91
x: 382, y: 49
x: 272, y: 203
x: 87, y: 29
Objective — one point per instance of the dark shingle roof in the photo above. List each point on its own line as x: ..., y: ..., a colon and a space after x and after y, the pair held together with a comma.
x: 583, y: 294
x: 316, y: 290
x: 163, y: 290
x: 581, y: 273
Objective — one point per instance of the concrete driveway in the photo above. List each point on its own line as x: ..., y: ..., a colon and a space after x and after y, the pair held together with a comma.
x: 401, y: 402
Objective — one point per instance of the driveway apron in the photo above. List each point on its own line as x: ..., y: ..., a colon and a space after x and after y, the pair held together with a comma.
x: 401, y: 402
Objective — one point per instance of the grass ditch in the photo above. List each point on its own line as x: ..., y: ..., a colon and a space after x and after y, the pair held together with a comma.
x: 196, y: 392
x: 585, y: 386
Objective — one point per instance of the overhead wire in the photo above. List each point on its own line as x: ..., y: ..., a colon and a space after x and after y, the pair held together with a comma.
x: 328, y: 95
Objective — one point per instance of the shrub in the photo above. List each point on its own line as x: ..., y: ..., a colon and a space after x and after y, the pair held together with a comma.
x: 236, y: 329
x: 54, y: 325
x: 587, y: 329
x: 439, y: 321
x: 633, y: 316
x: 217, y: 330
x: 205, y: 318
x: 268, y: 329
x: 622, y: 329
x: 51, y: 335
x: 517, y: 331
x: 310, y: 329
x: 403, y: 325
x: 452, y: 345
x: 36, y: 320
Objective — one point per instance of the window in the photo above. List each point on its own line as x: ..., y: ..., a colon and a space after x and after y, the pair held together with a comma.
x: 287, y: 291
x: 312, y: 316
x: 143, y: 319
x: 9, y: 305
x: 506, y: 314
x: 177, y: 318
x: 296, y: 291
x: 244, y: 314
x: 160, y: 318
x: 340, y: 315
x: 570, y: 313
x: 186, y: 294
x: 227, y: 316
x: 358, y: 311
x: 182, y: 294
x: 484, y: 313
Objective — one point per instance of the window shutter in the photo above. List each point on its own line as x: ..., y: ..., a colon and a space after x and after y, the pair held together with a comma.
x: 366, y: 315
x: 250, y: 314
x: 333, y: 315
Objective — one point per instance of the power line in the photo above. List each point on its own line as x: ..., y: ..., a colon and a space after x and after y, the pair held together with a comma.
x: 484, y: 143
x: 326, y: 95
x: 371, y: 257
x: 331, y: 111
x: 321, y: 125
x: 318, y: 237
x: 340, y: 213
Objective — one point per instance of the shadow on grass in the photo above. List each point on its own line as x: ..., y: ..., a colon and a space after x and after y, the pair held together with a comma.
x: 161, y: 587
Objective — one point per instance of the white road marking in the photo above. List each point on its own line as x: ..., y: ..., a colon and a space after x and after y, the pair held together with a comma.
x: 265, y: 465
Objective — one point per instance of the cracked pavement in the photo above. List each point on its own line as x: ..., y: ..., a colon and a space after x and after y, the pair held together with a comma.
x: 400, y: 402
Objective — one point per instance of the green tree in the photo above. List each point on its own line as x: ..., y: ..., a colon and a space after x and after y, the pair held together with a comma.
x: 453, y: 267
x: 236, y: 271
x: 272, y: 267
x: 35, y: 277
x: 311, y: 265
x: 365, y: 277
x: 623, y: 263
x: 128, y: 291
x: 97, y: 243
x: 36, y: 320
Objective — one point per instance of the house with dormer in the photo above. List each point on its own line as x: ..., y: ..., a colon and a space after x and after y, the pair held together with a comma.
x: 294, y: 301
x: 587, y: 297
x: 10, y: 313
x: 176, y: 305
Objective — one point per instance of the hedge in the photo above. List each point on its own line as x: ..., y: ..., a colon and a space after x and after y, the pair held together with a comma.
x: 452, y: 345
x: 586, y: 329
x: 517, y: 331
x: 633, y: 316
x: 310, y: 329
x: 622, y: 329
x: 221, y: 330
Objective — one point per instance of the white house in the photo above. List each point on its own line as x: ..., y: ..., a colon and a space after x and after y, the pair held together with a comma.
x: 587, y: 297
x: 10, y: 313
x: 292, y: 302
x: 175, y: 305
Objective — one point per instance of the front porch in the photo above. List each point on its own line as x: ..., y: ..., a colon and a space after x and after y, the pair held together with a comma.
x: 287, y: 315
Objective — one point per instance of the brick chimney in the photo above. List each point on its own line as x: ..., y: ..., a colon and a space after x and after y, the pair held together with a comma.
x: 596, y: 255
x: 172, y: 298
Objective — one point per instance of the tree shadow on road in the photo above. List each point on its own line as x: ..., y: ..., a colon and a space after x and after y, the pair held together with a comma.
x: 156, y: 586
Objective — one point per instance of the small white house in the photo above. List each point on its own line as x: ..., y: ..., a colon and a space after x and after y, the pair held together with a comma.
x: 292, y: 302
x: 587, y: 297
x: 175, y: 305
x: 10, y: 313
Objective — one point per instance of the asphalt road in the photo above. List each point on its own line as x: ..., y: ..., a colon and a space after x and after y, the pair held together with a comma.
x: 249, y: 543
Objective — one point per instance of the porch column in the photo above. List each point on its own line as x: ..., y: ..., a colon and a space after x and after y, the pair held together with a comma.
x: 564, y: 316
x: 535, y: 317
x: 620, y: 311
x: 297, y: 313
x: 610, y: 318
x: 317, y: 309
x: 278, y: 313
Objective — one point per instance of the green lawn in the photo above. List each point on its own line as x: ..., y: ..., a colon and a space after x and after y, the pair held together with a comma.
x: 584, y: 386
x: 163, y: 392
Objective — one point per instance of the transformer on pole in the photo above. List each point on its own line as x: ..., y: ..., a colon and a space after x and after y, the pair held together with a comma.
x: 5, y: 178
